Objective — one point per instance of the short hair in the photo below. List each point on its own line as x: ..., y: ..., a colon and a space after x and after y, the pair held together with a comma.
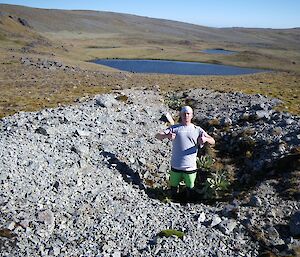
x: 185, y: 109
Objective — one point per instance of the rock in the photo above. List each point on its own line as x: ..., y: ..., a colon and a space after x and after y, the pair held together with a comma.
x: 201, y: 218
x: 116, y: 254
x: 226, y: 121
x: 41, y: 131
x: 227, y: 226
x: 46, y: 217
x: 274, y: 236
x: 163, y: 168
x: 215, y: 221
x: 262, y: 114
x: 107, y: 101
x: 125, y: 131
x: 230, y: 210
x: 82, y: 133
x: 255, y: 201
x: 289, y: 121
x: 277, y: 131
x: 81, y: 150
x: 169, y: 118
x: 10, y: 225
x: 295, y: 224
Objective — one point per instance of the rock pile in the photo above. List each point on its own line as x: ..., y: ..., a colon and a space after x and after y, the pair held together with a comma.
x: 248, y: 127
x: 73, y: 182
x: 45, y: 64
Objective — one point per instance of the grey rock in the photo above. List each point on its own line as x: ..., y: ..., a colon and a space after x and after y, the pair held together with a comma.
x: 215, y: 221
x: 83, y: 133
x: 81, y: 150
x: 42, y: 131
x: 262, y: 114
x: 295, y: 224
x: 202, y: 217
x: 163, y: 168
x: 289, y: 121
x: 107, y: 101
x: 226, y: 121
x: 227, y: 226
x: 255, y: 201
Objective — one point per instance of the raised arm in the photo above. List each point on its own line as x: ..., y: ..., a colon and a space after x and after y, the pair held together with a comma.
x: 163, y: 135
x: 206, y: 138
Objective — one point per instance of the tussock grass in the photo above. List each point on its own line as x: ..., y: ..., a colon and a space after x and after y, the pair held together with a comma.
x: 24, y: 88
x: 28, y: 88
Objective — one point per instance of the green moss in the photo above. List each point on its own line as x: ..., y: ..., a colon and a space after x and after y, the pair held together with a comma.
x: 122, y: 98
x: 171, y: 232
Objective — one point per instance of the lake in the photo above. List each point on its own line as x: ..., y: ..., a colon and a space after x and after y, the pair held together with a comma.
x: 175, y: 67
x: 218, y: 51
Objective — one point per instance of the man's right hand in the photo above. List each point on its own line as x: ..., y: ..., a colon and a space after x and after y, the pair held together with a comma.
x: 171, y: 136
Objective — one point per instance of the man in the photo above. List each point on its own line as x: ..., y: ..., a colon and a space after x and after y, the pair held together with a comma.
x: 186, y: 137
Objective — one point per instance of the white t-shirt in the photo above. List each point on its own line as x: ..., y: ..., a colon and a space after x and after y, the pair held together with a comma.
x: 185, y: 146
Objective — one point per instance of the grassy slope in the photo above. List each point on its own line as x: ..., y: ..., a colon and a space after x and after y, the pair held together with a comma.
x: 85, y: 35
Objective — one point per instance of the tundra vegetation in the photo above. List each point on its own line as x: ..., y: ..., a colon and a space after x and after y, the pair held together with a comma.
x: 45, y: 63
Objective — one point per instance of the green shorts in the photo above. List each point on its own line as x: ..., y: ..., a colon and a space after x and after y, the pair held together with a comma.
x: 177, y: 176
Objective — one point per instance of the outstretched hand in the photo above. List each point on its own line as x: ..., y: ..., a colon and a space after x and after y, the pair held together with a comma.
x: 206, y: 138
x: 171, y: 136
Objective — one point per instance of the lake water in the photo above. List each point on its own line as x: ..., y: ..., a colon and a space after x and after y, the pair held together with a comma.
x: 175, y: 67
x: 219, y: 51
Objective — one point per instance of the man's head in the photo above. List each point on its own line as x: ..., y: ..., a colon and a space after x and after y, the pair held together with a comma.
x: 186, y: 115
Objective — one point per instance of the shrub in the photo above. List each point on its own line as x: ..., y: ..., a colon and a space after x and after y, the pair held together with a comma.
x: 216, y: 183
x: 174, y: 102
x: 205, y: 162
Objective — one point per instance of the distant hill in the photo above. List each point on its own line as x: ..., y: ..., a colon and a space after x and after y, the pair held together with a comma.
x: 15, y: 28
x: 96, y: 22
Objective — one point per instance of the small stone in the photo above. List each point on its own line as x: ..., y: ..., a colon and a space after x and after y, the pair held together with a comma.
x: 24, y: 223
x: 295, y: 224
x: 289, y: 121
x: 47, y: 217
x: 226, y: 121
x: 255, y: 201
x: 125, y: 131
x: 42, y: 131
x: 277, y: 131
x: 116, y: 254
x: 82, y: 133
x: 132, y: 160
x: 107, y: 101
x: 81, y: 150
x: 163, y: 168
x: 227, y: 226
x: 56, y: 250
x: 169, y: 118
x: 10, y: 225
x: 202, y: 217
x: 142, y: 161
x: 262, y: 114
x: 215, y: 221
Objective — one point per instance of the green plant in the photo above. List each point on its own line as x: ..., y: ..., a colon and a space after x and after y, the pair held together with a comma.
x: 205, y: 162
x: 171, y: 232
x: 174, y: 102
x: 216, y: 182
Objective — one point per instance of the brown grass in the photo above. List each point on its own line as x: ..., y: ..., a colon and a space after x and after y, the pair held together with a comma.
x: 26, y: 88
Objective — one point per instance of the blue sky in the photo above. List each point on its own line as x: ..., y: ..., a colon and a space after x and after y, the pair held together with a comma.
x: 213, y: 13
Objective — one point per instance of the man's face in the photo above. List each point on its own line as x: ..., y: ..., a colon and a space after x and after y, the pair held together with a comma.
x: 186, y: 117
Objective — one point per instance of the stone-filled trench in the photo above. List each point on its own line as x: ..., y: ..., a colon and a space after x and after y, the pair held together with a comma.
x: 91, y: 179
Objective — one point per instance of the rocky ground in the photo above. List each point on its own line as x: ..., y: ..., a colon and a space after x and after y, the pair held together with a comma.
x: 75, y: 181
